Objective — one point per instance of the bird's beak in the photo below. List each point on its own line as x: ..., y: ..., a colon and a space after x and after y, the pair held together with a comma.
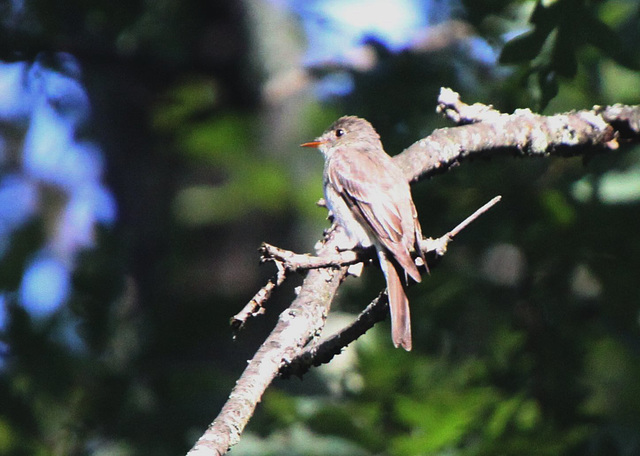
x: 312, y: 144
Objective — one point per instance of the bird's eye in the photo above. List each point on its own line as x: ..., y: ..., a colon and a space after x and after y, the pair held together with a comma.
x: 339, y: 132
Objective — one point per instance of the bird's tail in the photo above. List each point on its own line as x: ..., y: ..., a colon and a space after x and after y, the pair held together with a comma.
x: 398, y: 304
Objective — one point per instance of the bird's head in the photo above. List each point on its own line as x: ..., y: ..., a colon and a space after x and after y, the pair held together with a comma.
x: 346, y: 131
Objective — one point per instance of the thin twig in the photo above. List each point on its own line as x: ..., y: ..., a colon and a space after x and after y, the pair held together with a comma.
x: 461, y: 226
x: 302, y: 261
x: 439, y: 245
x: 321, y: 352
x: 255, y: 306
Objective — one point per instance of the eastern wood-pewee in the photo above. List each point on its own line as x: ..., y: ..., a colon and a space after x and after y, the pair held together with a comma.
x: 367, y: 194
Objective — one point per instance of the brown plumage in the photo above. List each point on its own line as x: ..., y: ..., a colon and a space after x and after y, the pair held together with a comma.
x: 368, y: 195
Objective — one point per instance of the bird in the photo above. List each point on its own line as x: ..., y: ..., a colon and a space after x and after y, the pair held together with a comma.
x: 367, y: 194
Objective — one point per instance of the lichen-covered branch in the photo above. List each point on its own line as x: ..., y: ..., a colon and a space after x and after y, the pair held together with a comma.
x: 486, y: 132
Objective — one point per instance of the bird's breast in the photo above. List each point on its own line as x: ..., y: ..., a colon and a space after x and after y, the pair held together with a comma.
x: 344, y: 216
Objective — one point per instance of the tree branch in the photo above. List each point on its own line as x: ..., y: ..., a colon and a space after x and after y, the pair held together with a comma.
x: 297, y: 261
x: 522, y: 133
x: 486, y: 132
x: 255, y: 306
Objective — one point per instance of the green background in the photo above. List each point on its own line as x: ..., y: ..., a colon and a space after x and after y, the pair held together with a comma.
x: 526, y: 337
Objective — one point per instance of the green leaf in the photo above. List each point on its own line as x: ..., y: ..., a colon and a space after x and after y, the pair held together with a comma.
x: 442, y: 419
x: 523, y: 48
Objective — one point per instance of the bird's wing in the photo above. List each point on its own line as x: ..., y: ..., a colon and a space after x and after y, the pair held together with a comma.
x: 372, y: 196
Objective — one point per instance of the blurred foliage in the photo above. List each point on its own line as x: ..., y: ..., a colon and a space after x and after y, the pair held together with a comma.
x: 526, y: 333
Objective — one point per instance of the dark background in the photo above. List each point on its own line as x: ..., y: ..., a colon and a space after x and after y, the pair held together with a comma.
x: 526, y: 336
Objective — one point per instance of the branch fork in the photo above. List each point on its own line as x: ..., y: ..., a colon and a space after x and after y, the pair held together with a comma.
x: 288, y: 262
